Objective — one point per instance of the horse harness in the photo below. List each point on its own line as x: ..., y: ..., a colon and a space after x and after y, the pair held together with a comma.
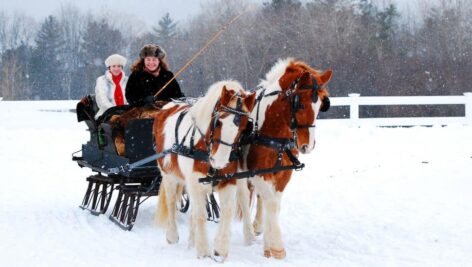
x: 281, y: 145
x: 249, y: 137
x: 204, y: 155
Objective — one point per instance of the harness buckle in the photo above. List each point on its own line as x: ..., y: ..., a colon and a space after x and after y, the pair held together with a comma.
x: 175, y: 148
x: 211, y: 172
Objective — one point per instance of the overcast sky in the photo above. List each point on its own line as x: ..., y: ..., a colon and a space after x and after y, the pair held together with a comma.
x: 150, y: 11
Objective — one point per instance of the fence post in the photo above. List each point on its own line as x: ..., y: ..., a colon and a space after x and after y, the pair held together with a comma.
x: 468, y: 108
x: 354, y: 109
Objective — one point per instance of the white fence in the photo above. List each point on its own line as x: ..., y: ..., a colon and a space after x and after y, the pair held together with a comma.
x: 355, y: 100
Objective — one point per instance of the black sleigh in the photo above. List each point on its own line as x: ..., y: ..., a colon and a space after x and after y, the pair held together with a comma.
x: 133, y: 185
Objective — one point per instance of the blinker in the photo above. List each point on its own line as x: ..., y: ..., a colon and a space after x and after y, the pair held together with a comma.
x: 237, y: 116
x: 296, y: 102
x: 325, y: 104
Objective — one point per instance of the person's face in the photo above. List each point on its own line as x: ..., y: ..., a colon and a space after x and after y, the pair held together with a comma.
x: 115, y: 69
x: 151, y: 63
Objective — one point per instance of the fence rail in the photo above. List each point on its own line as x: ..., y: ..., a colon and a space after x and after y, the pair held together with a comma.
x: 355, y: 100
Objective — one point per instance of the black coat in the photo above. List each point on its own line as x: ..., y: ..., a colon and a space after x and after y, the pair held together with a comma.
x: 142, y: 84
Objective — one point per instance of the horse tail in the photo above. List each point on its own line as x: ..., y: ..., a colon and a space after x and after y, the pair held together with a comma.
x: 162, y: 212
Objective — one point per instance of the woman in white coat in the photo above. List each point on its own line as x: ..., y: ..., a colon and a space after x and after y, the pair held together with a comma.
x: 110, y: 87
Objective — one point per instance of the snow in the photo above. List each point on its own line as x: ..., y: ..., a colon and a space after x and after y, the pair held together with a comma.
x: 368, y: 197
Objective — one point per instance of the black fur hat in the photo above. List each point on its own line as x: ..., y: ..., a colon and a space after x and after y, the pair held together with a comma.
x: 152, y: 50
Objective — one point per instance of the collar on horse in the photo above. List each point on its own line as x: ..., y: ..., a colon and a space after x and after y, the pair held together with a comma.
x: 204, y: 155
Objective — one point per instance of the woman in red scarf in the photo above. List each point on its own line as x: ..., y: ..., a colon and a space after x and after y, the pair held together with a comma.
x: 110, y: 87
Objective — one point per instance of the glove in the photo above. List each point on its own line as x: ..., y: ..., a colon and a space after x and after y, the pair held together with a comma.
x: 149, y: 100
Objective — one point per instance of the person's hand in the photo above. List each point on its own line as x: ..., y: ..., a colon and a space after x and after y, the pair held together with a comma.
x: 149, y: 100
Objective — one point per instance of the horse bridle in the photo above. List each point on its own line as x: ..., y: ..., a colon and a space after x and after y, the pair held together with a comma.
x: 294, y: 100
x: 204, y: 155
x: 237, y: 112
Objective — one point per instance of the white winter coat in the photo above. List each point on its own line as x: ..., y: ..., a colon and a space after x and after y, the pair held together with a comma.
x: 105, y: 92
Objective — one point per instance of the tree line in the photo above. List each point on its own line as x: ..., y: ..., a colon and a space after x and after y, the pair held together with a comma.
x: 372, y: 49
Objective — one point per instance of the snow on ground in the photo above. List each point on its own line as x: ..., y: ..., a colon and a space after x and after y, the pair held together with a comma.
x: 368, y: 197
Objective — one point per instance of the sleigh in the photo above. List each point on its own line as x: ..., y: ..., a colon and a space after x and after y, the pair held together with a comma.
x: 134, y: 185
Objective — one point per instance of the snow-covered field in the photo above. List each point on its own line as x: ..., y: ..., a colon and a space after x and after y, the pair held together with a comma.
x: 368, y: 197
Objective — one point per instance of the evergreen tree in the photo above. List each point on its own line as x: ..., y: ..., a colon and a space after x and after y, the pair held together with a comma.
x: 100, y: 40
x: 387, y: 25
x: 46, y: 62
x: 167, y: 29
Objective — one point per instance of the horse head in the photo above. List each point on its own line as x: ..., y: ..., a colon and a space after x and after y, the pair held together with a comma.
x: 229, y: 120
x: 304, y: 88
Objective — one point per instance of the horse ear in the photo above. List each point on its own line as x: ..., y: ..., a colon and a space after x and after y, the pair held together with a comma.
x: 225, y: 96
x: 326, y: 76
x: 250, y: 101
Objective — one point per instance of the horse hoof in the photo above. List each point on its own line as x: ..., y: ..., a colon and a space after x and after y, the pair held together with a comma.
x: 267, y: 253
x: 278, y: 253
x: 257, y: 229
x: 204, y: 256
x: 172, y: 240
x: 218, y: 257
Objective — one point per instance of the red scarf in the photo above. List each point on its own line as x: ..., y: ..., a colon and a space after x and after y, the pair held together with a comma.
x: 119, y: 99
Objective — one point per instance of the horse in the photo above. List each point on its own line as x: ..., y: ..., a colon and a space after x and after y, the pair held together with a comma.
x: 217, y: 120
x: 288, y: 102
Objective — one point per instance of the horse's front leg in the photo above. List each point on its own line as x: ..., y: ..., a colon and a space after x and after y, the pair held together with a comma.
x: 170, y: 184
x: 244, y: 200
x: 197, y: 196
x: 227, y: 196
x: 258, y: 220
x: 273, y: 244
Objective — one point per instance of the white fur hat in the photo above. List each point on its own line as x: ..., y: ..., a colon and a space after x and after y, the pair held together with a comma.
x: 115, y: 59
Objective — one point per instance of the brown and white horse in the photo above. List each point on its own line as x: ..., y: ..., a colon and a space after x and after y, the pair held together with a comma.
x: 214, y: 123
x: 289, y: 101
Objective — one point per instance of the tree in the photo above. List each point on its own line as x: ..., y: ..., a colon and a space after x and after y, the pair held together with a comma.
x: 72, y: 24
x: 47, y: 71
x: 282, y: 5
x: 15, y: 30
x: 100, y: 40
x: 167, y: 29
x: 15, y: 73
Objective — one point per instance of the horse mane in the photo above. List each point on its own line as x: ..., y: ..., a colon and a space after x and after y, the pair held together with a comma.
x: 271, y: 81
x: 202, y: 110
